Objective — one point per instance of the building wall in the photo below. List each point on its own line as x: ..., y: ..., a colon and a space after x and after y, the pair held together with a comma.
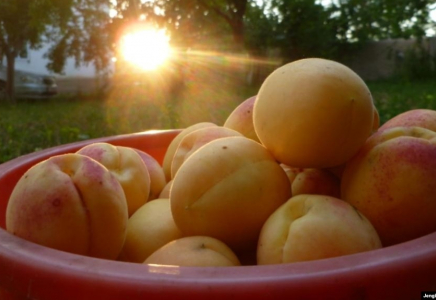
x: 35, y: 62
x: 73, y: 80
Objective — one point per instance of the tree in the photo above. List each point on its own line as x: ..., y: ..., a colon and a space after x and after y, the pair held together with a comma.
x: 363, y: 20
x: 260, y: 29
x: 76, y: 28
x: 25, y: 24
x: 306, y: 28
x: 83, y: 29
x: 86, y: 37
x: 232, y: 11
x: 194, y: 21
x: 189, y: 24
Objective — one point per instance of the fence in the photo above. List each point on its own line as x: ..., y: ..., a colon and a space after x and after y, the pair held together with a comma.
x: 381, y: 59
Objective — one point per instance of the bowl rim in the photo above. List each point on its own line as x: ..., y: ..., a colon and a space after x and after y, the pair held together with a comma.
x: 393, y: 258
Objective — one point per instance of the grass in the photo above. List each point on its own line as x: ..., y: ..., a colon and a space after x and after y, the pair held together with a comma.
x: 29, y: 126
x: 394, y: 97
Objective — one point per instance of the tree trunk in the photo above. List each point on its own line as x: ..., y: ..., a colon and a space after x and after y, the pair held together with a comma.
x: 237, y: 22
x: 234, y: 17
x: 10, y: 76
x: 238, y: 34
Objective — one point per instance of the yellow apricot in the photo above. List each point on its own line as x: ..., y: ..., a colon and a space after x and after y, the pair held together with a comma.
x: 313, y: 113
x: 227, y: 189
x: 194, y: 251
x: 172, y: 147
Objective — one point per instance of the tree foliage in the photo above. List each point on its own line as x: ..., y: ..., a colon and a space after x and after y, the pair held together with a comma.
x: 304, y: 28
x: 307, y: 28
x: 363, y: 20
x: 28, y: 24
x: 260, y: 29
x: 193, y: 22
x: 76, y: 28
x: 189, y: 22
x: 85, y: 36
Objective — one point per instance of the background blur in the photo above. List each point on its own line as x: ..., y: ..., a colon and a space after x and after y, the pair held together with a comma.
x: 112, y: 77
x: 79, y: 40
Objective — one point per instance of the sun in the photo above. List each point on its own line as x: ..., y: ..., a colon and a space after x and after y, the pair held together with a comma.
x: 146, y: 49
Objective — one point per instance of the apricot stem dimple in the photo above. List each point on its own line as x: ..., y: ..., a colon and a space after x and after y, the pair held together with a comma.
x: 68, y: 171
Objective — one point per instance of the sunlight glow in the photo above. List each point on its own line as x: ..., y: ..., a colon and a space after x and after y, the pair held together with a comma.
x: 146, y: 49
x: 113, y: 13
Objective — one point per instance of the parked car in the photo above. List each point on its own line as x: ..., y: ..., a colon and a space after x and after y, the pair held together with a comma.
x: 30, y: 85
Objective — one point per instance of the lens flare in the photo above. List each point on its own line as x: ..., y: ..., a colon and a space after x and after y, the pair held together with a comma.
x: 146, y: 49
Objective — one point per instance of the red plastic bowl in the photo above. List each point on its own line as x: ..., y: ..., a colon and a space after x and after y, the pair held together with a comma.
x: 30, y: 271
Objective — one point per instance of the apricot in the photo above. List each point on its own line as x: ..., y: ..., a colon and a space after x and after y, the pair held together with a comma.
x: 127, y: 166
x: 149, y: 228
x: 425, y: 118
x: 241, y: 119
x: 313, y: 181
x: 311, y: 227
x: 226, y: 190
x: 157, y: 175
x: 194, y: 140
x: 165, y: 193
x: 172, y: 147
x: 313, y: 113
x: 71, y: 203
x: 376, y: 124
x: 392, y: 182
x: 194, y: 251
